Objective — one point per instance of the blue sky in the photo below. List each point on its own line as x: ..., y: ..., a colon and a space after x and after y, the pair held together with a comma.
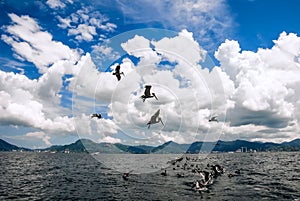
x: 62, y: 53
x: 258, y: 22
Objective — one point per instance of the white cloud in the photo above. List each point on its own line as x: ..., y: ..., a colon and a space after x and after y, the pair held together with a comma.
x: 109, y: 139
x: 31, y: 43
x: 55, y: 4
x: 85, y: 24
x: 40, y: 135
x: 83, y: 32
x: 266, y: 87
x: 210, y: 21
x: 36, y: 103
x: 21, y: 105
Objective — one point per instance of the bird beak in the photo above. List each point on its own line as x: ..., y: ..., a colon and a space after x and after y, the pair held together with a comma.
x: 162, y: 123
x: 155, y: 97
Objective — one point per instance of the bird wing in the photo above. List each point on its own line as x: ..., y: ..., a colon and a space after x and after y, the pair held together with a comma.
x: 157, y: 113
x: 147, y: 90
x: 154, y: 117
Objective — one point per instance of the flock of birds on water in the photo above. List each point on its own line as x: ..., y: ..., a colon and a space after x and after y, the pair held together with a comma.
x: 186, y: 166
x: 147, y: 94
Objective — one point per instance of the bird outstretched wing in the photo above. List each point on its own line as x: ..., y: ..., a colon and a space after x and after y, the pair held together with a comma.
x: 154, y: 117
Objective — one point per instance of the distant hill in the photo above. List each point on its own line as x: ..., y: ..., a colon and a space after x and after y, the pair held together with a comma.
x: 170, y: 148
x: 85, y: 145
x: 229, y: 146
x: 5, y: 146
x: 88, y: 146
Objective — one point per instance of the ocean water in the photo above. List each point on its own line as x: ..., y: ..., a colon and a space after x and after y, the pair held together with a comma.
x: 46, y: 176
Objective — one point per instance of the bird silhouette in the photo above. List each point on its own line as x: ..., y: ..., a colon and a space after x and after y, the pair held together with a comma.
x: 117, y: 72
x: 155, y: 119
x: 99, y: 116
x: 126, y: 175
x: 148, y: 94
x: 164, y: 173
x: 214, y: 118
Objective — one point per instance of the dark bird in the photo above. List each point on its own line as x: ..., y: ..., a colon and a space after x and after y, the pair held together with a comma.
x: 126, y: 175
x: 155, y: 119
x: 214, y: 118
x: 96, y: 115
x: 148, y: 94
x: 174, y: 161
x: 164, y: 173
x: 207, y: 178
x: 218, y: 170
x: 117, y: 72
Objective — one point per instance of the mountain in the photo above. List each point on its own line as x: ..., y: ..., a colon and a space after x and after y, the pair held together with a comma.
x: 5, y: 146
x: 141, y: 149
x: 170, y: 148
x: 88, y: 146
x: 85, y: 145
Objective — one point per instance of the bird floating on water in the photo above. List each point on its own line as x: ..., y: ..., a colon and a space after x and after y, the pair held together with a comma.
x: 155, y: 119
x: 148, y: 94
x: 174, y: 161
x: 214, y: 118
x: 126, y: 175
x: 117, y: 72
x: 164, y: 173
x: 99, y: 116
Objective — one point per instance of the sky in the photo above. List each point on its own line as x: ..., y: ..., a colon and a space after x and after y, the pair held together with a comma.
x: 234, y: 59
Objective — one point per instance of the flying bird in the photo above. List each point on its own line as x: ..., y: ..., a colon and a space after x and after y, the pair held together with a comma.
x: 117, y: 72
x: 148, y: 94
x: 214, y: 118
x: 99, y: 116
x: 155, y: 119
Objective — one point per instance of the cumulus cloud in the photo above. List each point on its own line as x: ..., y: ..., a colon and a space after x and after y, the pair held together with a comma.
x: 266, y: 85
x: 39, y: 135
x: 36, y: 103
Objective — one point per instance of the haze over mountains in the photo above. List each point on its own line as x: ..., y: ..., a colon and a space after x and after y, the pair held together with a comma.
x: 85, y: 145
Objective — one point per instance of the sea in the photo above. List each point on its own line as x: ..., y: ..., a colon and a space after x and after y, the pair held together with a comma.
x: 80, y: 176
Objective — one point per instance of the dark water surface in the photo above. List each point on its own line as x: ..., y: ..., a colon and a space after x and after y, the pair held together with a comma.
x: 46, y: 176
